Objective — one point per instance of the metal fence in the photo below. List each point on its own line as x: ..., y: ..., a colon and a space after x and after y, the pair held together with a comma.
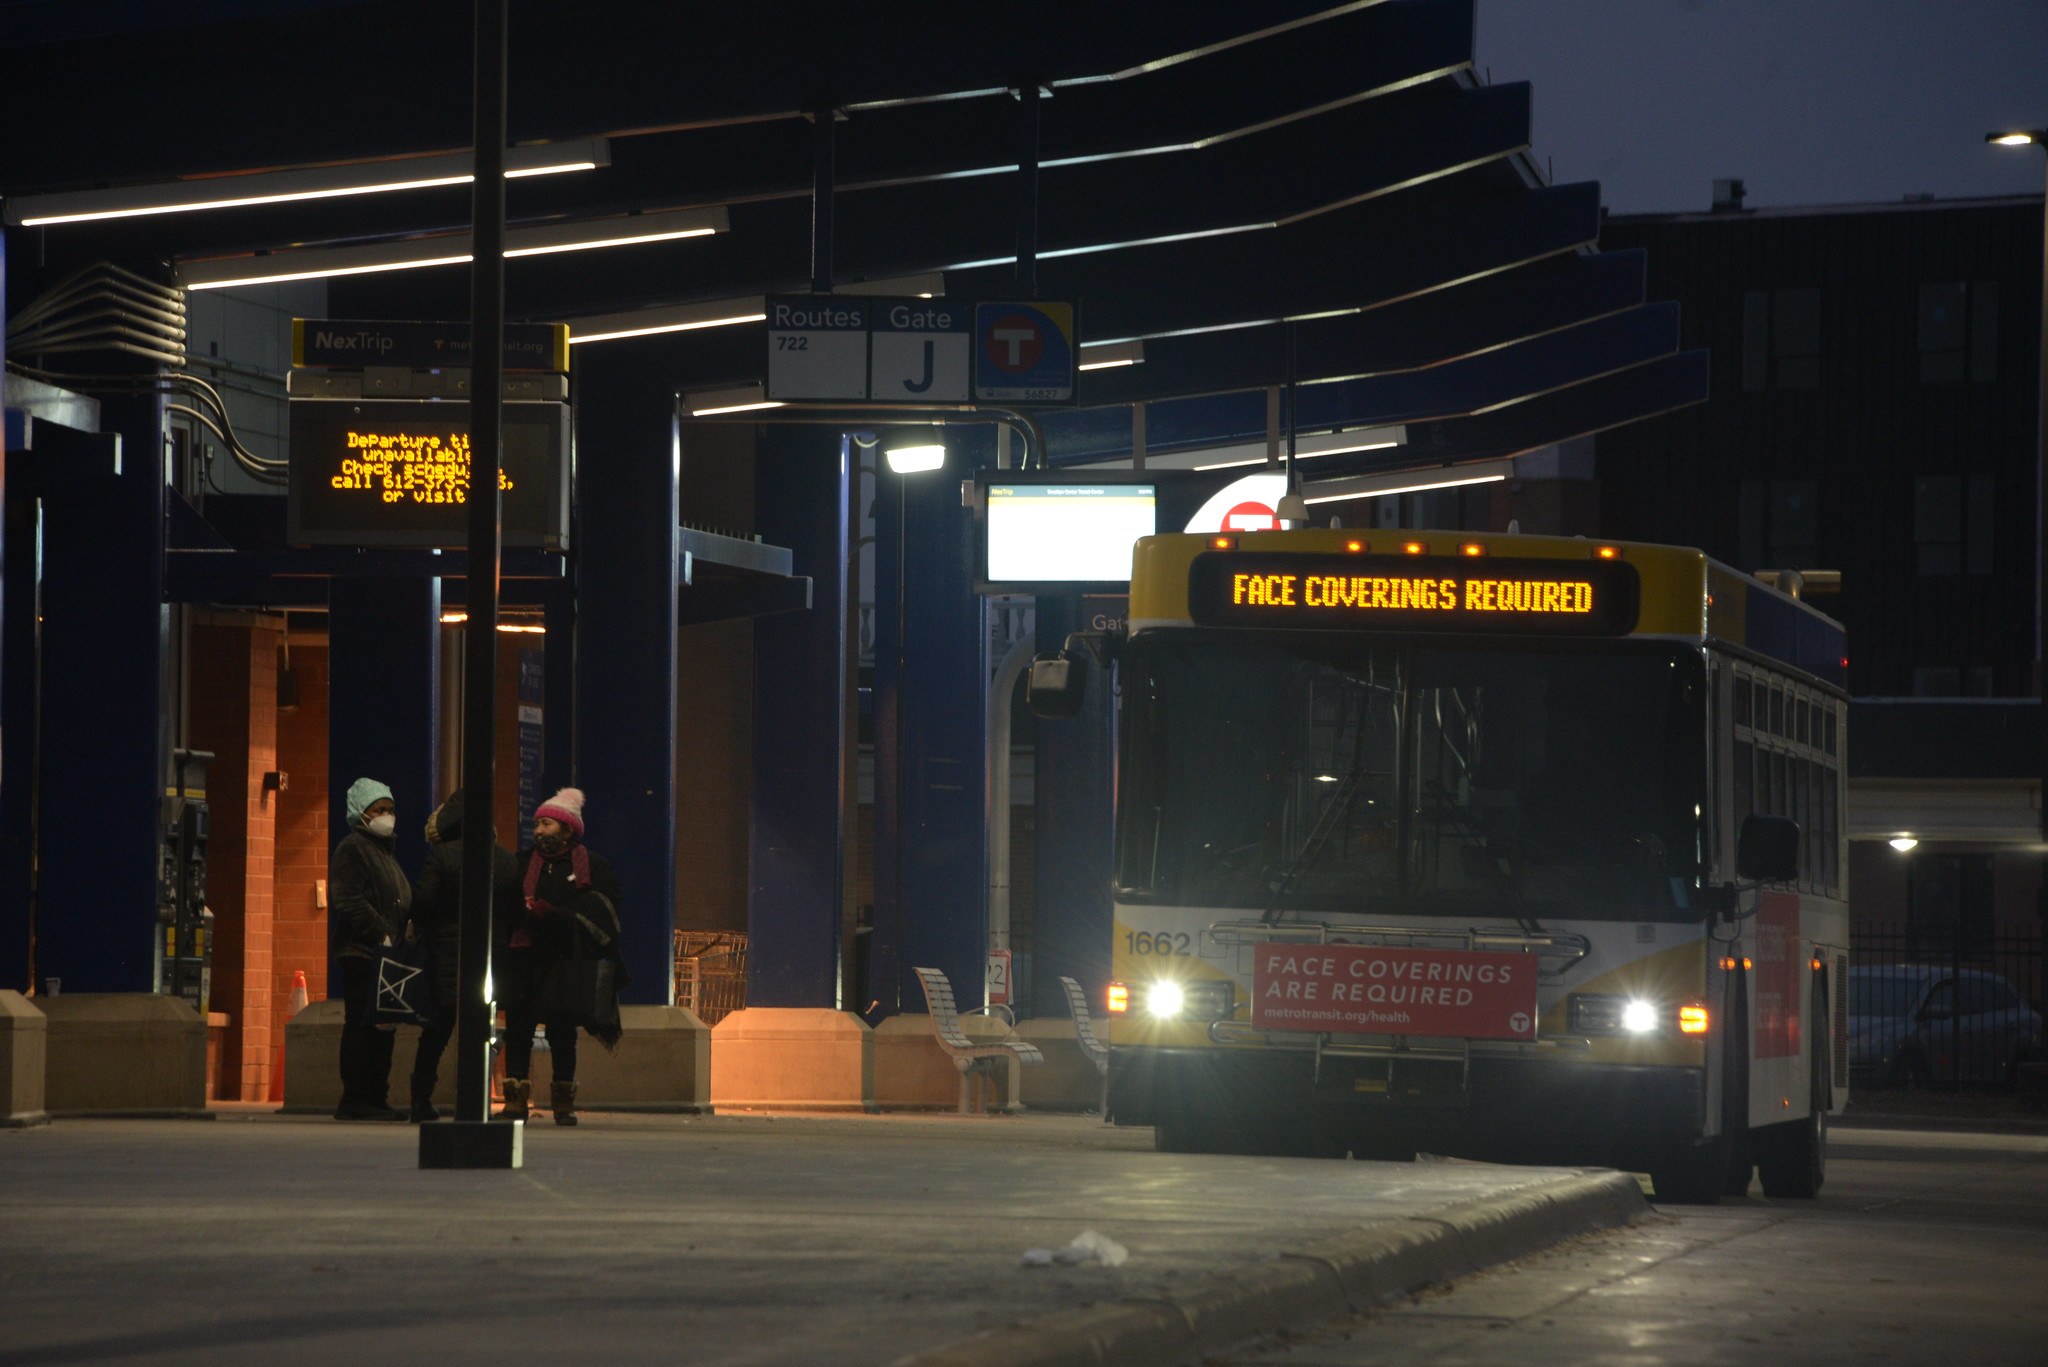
x: 1908, y: 1030
x: 2015, y: 956
x: 711, y: 972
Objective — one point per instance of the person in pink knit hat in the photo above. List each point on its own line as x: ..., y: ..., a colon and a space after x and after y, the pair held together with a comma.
x: 569, y: 910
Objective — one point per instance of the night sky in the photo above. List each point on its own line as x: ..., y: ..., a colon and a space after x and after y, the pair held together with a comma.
x: 1805, y: 101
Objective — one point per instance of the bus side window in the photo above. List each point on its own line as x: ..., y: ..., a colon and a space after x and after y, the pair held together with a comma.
x: 1745, y: 791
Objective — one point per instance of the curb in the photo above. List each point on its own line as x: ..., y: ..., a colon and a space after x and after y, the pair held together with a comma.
x: 1353, y: 1272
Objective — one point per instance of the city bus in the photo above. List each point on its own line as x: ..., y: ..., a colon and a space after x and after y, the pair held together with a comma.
x: 1512, y: 847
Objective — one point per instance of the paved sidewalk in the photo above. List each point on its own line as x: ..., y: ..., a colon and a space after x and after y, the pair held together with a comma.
x: 259, y: 1239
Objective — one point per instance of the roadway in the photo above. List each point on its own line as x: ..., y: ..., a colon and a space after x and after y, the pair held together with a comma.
x: 1925, y: 1246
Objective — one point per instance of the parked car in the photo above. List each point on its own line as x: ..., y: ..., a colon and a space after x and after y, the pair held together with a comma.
x: 1914, y: 1024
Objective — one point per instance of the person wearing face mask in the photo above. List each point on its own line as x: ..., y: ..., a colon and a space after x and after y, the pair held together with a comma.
x: 569, y: 909
x: 368, y: 897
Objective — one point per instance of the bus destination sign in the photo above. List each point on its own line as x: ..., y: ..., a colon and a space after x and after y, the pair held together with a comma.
x: 1412, y: 593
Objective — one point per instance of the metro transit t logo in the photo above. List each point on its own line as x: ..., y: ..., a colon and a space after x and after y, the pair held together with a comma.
x: 1014, y: 344
x: 1024, y: 351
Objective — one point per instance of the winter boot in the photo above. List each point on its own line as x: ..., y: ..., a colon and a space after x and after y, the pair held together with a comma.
x: 423, y: 1108
x: 518, y: 1094
x: 562, y: 1100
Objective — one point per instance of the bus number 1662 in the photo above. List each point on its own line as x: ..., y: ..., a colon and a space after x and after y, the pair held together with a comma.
x: 1145, y: 942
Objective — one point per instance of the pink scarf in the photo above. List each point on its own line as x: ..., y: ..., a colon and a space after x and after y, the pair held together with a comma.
x: 579, y: 864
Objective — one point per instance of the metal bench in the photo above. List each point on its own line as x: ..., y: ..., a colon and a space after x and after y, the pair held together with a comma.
x: 974, y: 1060
x: 1092, y: 1048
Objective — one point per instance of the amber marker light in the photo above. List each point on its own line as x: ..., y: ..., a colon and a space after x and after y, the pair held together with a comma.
x: 1747, y: 964
x: 1222, y: 543
x: 1609, y: 552
x: 1816, y: 965
x: 1354, y: 546
x: 1692, y: 1019
x: 1727, y: 965
x: 1119, y: 998
x: 1413, y: 547
x: 1472, y: 548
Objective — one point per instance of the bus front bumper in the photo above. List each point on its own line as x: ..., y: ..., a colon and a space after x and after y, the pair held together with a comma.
x: 1525, y: 1109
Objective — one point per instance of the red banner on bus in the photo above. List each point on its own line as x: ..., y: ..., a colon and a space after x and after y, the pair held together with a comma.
x: 1389, y: 990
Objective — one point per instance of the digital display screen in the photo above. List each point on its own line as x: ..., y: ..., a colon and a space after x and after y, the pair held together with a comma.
x: 1059, y: 534
x: 1413, y: 593
x: 395, y: 473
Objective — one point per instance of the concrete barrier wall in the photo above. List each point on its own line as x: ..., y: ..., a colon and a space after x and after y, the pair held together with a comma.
x: 1066, y: 1081
x: 124, y: 1054
x: 913, y: 1071
x: 24, y: 1044
x: 793, y: 1058
x: 663, y: 1063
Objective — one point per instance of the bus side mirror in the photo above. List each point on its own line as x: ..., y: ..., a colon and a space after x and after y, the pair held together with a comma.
x: 1056, y: 686
x: 1767, y: 850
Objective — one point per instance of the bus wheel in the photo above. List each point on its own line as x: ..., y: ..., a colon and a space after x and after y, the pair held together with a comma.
x: 1693, y: 1175
x: 1792, y: 1159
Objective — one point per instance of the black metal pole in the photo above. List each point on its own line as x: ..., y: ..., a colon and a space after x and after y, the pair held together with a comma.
x: 1027, y: 189
x: 822, y: 180
x: 480, y: 637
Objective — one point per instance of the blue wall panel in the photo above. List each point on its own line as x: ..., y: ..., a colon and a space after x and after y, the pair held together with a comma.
x: 1075, y: 795
x: 625, y: 671
x: 102, y: 777
x: 384, y: 705
x: 796, y: 901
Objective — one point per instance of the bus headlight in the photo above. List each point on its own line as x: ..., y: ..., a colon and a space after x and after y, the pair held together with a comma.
x: 1165, y: 999
x: 1592, y: 1013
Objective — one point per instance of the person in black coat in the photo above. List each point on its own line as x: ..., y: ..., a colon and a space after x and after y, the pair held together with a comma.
x: 437, y: 922
x: 569, y: 909
x: 367, y: 898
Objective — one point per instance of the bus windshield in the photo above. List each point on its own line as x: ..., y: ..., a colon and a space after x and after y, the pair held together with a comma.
x: 1320, y: 772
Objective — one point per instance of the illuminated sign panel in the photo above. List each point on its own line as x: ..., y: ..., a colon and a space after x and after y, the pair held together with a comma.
x: 395, y: 472
x: 1412, y: 593
x: 1066, y: 533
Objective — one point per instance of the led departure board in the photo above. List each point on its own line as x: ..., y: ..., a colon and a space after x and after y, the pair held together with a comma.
x: 1412, y: 593
x: 395, y: 472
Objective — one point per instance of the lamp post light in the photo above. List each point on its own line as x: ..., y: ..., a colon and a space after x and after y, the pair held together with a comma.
x: 2038, y: 137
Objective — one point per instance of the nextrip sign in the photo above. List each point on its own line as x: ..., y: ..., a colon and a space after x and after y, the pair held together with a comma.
x: 1412, y: 593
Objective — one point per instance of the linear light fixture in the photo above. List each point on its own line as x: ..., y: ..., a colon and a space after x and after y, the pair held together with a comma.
x: 310, y: 182
x: 718, y: 313
x: 1108, y: 355
x: 318, y: 263
x: 706, y: 403
x: 1407, y: 481
x: 1308, y: 446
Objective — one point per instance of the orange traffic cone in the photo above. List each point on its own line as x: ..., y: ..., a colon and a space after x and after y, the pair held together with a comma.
x: 277, y: 1056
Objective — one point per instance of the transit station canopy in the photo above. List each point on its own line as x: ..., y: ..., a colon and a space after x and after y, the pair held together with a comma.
x: 1249, y: 194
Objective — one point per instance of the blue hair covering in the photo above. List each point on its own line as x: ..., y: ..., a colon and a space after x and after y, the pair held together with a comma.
x: 361, y: 794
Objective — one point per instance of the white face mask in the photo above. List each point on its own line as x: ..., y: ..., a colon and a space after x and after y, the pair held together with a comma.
x: 381, y: 825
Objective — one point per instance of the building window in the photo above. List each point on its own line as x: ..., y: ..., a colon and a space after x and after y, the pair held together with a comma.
x: 1959, y: 332
x: 1952, y: 523
x: 1781, y: 339
x: 1949, y: 904
x: 1779, y: 524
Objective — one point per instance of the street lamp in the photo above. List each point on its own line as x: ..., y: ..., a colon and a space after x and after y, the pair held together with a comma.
x: 2038, y: 137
